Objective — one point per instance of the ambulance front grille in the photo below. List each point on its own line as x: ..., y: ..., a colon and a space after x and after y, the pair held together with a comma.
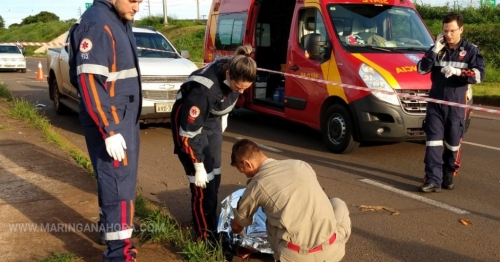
x: 159, y: 94
x: 414, y: 106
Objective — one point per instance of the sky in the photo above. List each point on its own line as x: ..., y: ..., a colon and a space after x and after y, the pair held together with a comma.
x: 14, y: 11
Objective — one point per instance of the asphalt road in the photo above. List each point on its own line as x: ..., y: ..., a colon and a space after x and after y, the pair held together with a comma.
x: 427, y: 228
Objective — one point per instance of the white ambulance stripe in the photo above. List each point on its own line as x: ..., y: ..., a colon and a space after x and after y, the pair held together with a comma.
x: 92, y: 69
x: 217, y: 171
x: 210, y: 176
x: 451, y: 148
x: 450, y: 63
x: 189, y: 134
x: 123, y: 74
x: 478, y: 75
x: 416, y: 197
x: 118, y: 235
x: 202, y: 80
x: 434, y: 143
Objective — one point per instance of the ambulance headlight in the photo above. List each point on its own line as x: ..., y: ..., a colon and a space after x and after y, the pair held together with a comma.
x: 374, y: 80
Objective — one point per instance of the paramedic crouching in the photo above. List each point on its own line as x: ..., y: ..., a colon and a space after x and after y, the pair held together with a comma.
x: 302, y: 223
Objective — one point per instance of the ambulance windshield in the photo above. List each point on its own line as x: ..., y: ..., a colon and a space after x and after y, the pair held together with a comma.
x: 361, y: 27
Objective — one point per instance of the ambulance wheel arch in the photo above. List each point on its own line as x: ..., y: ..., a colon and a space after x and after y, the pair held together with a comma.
x: 337, y: 127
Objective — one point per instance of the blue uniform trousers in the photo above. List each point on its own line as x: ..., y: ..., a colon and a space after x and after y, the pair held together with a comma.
x: 444, y: 128
x: 116, y: 182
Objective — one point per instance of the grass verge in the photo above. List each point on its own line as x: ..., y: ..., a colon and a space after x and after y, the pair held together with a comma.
x: 60, y: 257
x: 156, y: 226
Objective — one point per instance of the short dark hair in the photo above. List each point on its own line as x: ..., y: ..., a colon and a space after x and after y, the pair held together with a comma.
x: 243, y: 149
x: 450, y: 17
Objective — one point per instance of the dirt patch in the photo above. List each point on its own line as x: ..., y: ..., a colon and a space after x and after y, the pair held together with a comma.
x: 48, y: 204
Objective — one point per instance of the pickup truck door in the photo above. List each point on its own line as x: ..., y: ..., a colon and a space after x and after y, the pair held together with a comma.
x: 304, y: 96
x: 64, y: 67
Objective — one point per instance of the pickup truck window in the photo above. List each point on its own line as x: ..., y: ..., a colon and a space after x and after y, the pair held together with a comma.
x: 360, y: 27
x: 161, y: 47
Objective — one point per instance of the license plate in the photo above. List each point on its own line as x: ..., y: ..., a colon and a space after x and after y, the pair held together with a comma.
x: 164, y: 107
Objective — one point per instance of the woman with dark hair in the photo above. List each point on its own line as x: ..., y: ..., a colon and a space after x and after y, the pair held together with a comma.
x: 199, y: 116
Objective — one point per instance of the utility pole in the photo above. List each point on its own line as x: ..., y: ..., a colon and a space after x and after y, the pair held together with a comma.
x: 79, y: 11
x: 165, y: 18
x: 198, y: 9
x: 149, y: 7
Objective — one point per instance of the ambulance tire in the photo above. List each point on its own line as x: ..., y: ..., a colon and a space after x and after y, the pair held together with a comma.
x: 338, y: 130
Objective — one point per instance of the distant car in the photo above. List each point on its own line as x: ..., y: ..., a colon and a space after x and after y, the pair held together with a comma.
x: 163, y: 70
x: 12, y: 58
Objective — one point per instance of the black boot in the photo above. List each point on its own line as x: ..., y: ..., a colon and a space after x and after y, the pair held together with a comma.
x: 448, y: 182
x: 427, y: 188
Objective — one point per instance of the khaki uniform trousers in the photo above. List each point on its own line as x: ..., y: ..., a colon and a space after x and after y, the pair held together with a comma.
x: 330, y: 253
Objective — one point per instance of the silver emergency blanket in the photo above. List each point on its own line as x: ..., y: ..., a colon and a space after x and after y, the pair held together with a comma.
x: 254, y: 236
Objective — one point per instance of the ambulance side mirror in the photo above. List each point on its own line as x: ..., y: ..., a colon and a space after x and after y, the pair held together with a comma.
x: 315, y: 47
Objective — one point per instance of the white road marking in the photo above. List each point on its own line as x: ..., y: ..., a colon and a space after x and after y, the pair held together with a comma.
x: 272, y: 149
x: 485, y: 146
x: 416, y: 197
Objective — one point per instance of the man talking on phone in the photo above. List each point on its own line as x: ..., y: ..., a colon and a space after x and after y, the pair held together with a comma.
x: 454, y: 64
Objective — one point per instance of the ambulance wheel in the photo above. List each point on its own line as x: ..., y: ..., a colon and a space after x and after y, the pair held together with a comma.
x: 338, y: 129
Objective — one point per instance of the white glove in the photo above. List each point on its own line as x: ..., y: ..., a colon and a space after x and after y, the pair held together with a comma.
x: 223, y: 120
x: 450, y: 70
x: 200, y: 177
x: 439, y: 44
x: 115, y: 145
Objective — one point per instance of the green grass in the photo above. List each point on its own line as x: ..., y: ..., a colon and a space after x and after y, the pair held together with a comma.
x: 5, y: 93
x: 4, y: 127
x: 60, y: 257
x: 156, y: 226
x: 187, y: 38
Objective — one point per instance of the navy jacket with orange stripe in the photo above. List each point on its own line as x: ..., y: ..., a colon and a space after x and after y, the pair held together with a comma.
x: 466, y: 57
x: 201, y: 101
x: 104, y: 67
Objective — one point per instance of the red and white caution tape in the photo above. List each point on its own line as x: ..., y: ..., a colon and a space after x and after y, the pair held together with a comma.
x: 413, y: 97
x: 156, y: 50
x: 36, y: 44
x: 65, y: 44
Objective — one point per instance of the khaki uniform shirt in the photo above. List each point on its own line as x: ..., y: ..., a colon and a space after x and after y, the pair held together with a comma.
x: 297, y: 208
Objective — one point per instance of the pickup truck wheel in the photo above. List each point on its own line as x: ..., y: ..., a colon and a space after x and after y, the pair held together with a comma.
x: 60, y: 108
x: 23, y: 70
x: 338, y: 129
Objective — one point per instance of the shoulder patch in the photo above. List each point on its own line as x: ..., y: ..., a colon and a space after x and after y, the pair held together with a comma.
x: 194, y: 112
x: 85, y: 45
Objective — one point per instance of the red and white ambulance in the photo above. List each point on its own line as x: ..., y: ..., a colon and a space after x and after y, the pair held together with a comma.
x: 367, y: 43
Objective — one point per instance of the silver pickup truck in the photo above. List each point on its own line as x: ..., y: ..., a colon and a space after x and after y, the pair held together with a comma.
x: 163, y: 70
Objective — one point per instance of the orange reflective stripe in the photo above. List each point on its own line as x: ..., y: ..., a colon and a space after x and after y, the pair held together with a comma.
x: 113, y: 66
x: 125, y: 160
x: 131, y: 213
x: 189, y: 149
x: 115, y: 115
x: 97, y: 101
